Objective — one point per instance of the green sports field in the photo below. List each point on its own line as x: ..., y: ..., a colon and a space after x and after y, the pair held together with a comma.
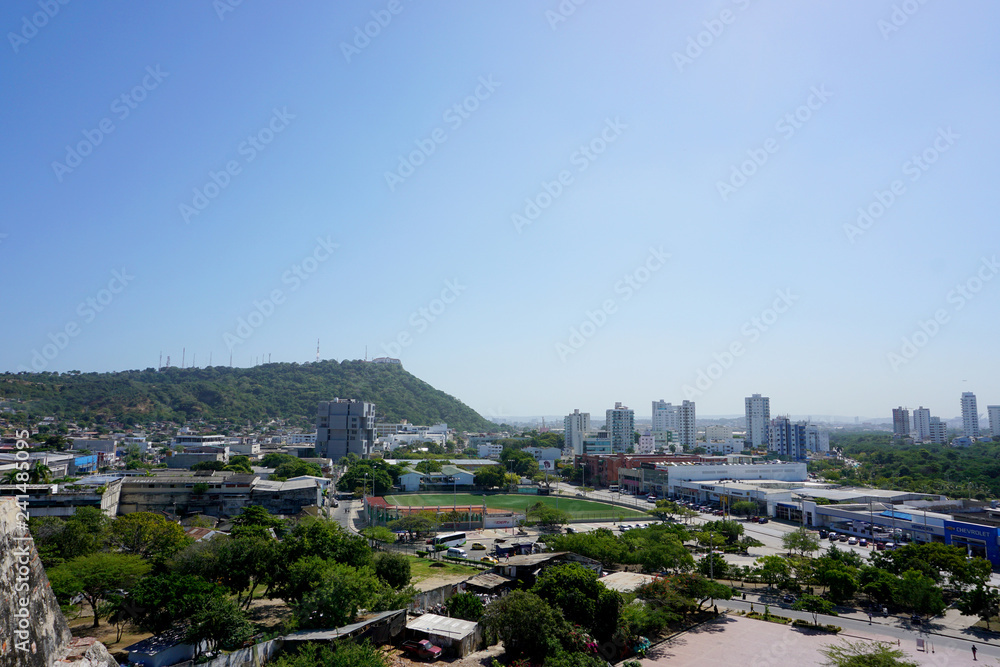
x: 578, y: 508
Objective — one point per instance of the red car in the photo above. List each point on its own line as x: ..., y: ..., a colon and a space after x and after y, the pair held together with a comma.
x: 423, y: 649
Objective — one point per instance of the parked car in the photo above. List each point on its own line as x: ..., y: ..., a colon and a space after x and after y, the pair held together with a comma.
x: 832, y: 536
x: 823, y: 533
x: 852, y: 540
x: 477, y: 546
x: 763, y: 519
x: 879, y: 546
x: 489, y: 559
x: 422, y: 649
x: 915, y: 619
x: 863, y: 542
x: 788, y: 597
x: 718, y: 513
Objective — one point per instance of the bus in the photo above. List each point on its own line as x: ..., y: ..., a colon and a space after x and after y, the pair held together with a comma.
x: 449, y: 540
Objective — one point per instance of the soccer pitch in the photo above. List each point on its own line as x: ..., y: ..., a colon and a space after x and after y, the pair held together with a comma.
x: 578, y: 508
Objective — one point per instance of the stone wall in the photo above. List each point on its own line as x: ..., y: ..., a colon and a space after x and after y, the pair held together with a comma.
x: 46, y: 637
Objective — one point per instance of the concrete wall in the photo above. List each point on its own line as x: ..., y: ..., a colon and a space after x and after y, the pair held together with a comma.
x: 48, y: 634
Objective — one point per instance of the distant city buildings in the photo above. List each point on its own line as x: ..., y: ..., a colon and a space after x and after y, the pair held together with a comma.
x: 620, y: 424
x: 970, y: 415
x: 676, y: 419
x: 758, y: 418
x: 647, y: 444
x: 900, y: 422
x: 787, y: 439
x: 994, y: 413
x: 922, y: 423
x: 575, y: 428
x: 345, y: 427
x: 938, y: 431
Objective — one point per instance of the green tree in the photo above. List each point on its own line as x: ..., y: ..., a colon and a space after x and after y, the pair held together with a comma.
x: 415, y: 524
x: 583, y: 599
x: 545, y: 515
x: 524, y: 622
x: 157, y: 602
x: 714, y: 566
x: 393, y: 569
x: 865, y: 654
x: 877, y: 584
x: 800, y: 541
x: 219, y: 623
x: 344, y: 590
x: 982, y: 601
x: 240, y: 463
x: 815, y: 605
x: 841, y: 584
x: 39, y: 474
x: 466, y: 606
x: 744, y: 508
x: 918, y: 592
x: 96, y: 576
x: 773, y: 569
x: 489, y: 477
x: 428, y: 466
x: 344, y: 653
x: 148, y: 535
x: 246, y: 562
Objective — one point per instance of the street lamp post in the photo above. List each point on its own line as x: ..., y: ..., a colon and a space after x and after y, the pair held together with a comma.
x: 364, y: 497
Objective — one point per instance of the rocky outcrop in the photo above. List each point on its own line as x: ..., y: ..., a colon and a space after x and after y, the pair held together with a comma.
x: 33, y: 630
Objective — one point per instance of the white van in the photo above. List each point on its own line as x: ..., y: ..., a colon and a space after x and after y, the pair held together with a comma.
x: 458, y: 553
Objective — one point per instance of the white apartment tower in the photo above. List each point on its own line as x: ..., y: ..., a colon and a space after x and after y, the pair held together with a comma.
x: 758, y: 415
x: 938, y: 431
x: 922, y: 423
x: 994, y: 412
x: 677, y: 418
x: 620, y: 425
x: 970, y: 415
x: 575, y: 428
x: 900, y: 422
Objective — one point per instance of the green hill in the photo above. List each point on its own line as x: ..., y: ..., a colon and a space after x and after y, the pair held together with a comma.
x: 219, y: 394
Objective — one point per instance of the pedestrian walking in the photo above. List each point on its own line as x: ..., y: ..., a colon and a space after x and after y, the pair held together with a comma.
x: 744, y: 596
x: 974, y: 651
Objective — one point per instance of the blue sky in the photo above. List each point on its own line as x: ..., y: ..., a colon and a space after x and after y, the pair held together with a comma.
x: 688, y: 179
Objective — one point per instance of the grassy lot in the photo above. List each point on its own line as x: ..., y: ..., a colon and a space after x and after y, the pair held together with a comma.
x: 577, y: 507
x: 420, y: 569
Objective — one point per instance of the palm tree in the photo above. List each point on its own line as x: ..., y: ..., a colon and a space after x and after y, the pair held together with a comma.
x: 40, y: 474
x: 10, y: 477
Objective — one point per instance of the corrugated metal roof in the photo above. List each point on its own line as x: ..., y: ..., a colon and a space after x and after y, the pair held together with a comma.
x: 453, y: 628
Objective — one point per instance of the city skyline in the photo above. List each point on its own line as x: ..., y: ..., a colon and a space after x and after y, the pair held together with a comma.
x: 641, y: 202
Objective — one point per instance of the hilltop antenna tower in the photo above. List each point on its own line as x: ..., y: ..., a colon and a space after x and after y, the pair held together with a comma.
x: 317, y: 350
x: 183, y: 355
x: 161, y: 361
x: 168, y: 361
x: 209, y: 359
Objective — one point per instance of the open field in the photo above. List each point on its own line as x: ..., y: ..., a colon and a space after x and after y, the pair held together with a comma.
x: 577, y: 507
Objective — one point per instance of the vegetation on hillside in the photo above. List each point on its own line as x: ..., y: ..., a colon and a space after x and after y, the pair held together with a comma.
x: 222, y: 395
x: 958, y: 472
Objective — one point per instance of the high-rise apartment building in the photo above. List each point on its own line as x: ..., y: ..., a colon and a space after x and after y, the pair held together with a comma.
x: 343, y: 427
x: 994, y: 413
x: 922, y: 423
x: 758, y: 414
x: 575, y: 428
x: 938, y: 431
x: 620, y: 425
x: 787, y: 439
x: 678, y: 419
x: 900, y: 422
x: 817, y: 440
x: 970, y: 415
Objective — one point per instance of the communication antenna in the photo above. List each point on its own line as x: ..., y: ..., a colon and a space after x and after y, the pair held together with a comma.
x: 161, y: 361
x: 183, y: 355
x: 168, y: 361
x: 317, y: 350
x: 194, y: 360
x: 209, y: 359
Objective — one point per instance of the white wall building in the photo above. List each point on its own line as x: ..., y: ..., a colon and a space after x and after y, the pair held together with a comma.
x: 938, y: 431
x: 758, y: 417
x: 620, y: 425
x: 678, y: 419
x: 718, y: 433
x: 817, y: 440
x: 301, y: 438
x: 970, y: 415
x: 575, y: 429
x: 994, y: 413
x: 722, y: 447
x: 490, y: 451
x: 922, y: 423
x: 647, y: 444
